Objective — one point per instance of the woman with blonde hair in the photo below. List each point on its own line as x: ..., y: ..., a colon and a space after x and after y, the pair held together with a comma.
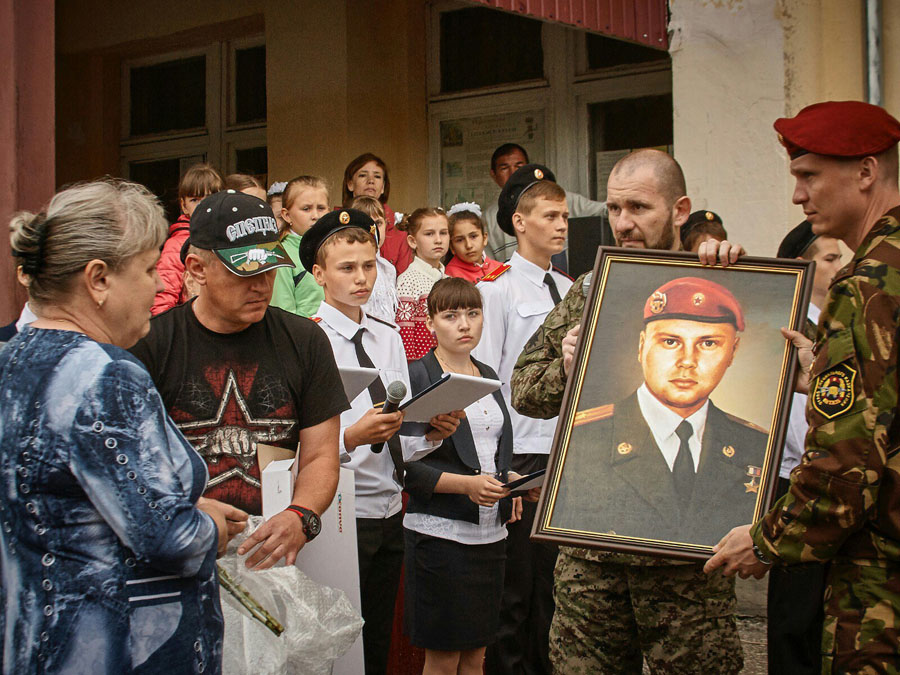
x: 107, y: 550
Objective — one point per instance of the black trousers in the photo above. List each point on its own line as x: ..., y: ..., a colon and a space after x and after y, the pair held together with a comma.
x: 526, y: 608
x: 380, y: 548
x: 795, y: 615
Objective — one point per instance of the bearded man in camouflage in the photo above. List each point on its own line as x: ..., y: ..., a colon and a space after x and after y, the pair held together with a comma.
x: 613, y: 609
x: 843, y: 503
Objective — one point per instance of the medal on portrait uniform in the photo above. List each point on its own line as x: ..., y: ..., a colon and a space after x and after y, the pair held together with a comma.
x: 754, y: 473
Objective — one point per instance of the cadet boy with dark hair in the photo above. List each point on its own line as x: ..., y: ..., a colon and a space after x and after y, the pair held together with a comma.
x: 700, y: 226
x: 842, y: 504
x: 611, y: 607
x: 339, y: 251
x: 517, y: 296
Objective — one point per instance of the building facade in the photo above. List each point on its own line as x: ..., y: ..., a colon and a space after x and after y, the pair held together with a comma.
x: 143, y: 89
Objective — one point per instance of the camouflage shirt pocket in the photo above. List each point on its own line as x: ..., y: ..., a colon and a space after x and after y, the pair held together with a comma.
x: 835, y: 380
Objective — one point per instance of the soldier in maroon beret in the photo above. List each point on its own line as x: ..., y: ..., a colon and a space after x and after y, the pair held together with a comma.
x: 842, y: 503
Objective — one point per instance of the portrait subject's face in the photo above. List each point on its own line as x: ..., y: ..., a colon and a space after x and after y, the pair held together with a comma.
x: 684, y: 361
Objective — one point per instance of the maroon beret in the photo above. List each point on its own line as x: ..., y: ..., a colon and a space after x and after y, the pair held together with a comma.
x: 838, y: 129
x: 695, y: 300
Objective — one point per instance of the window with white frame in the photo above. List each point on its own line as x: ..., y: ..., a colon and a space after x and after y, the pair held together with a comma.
x: 574, y: 100
x: 204, y: 104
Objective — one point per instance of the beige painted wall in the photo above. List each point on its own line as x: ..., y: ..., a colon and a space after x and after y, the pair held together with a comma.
x: 343, y: 78
x: 728, y: 88
x: 740, y: 64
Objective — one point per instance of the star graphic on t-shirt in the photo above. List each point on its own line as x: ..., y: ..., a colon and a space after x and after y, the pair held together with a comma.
x: 219, y: 437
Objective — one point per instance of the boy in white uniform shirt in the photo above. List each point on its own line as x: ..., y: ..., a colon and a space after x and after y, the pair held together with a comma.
x: 517, y: 298
x: 339, y: 251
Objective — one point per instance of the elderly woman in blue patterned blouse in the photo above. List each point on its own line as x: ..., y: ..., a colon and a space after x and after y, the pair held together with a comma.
x: 107, y: 550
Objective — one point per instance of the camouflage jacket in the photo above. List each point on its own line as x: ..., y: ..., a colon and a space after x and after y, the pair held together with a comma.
x: 845, y: 492
x: 538, y: 383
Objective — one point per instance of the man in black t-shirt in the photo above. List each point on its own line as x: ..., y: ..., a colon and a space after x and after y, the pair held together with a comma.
x: 235, y: 373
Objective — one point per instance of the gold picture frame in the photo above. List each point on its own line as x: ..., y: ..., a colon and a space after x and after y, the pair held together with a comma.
x: 613, y: 478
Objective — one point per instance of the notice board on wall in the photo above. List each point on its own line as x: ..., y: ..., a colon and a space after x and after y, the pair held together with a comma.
x: 467, y: 144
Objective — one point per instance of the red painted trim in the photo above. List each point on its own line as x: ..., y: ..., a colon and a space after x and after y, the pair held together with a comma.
x: 642, y: 21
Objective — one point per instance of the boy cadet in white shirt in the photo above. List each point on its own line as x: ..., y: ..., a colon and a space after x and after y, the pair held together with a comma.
x: 517, y: 298
x: 339, y: 251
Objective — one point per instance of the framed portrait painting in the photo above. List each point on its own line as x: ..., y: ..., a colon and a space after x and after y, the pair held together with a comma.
x: 676, y: 405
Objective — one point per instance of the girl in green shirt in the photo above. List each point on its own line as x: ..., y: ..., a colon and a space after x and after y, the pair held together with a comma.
x: 304, y: 201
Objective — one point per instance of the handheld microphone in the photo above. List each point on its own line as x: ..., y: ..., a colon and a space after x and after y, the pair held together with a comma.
x: 395, y: 392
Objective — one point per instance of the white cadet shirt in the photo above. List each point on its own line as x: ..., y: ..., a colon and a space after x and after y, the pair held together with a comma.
x: 377, y: 493
x: 501, y: 246
x: 665, y: 421
x: 795, y: 438
x: 515, y: 305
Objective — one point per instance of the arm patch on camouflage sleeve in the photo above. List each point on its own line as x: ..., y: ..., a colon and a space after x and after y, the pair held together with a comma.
x: 833, y: 393
x: 535, y: 342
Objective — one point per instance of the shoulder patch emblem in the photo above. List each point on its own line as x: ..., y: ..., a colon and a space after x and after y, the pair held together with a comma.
x: 317, y: 319
x: 493, y: 276
x: 833, y: 392
x: 594, y: 414
x: 535, y: 342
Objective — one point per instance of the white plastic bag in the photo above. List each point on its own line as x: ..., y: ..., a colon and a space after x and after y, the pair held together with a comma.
x: 319, y: 622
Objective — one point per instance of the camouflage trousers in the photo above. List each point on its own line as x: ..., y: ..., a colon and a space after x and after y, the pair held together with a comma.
x: 861, y: 633
x: 609, y: 616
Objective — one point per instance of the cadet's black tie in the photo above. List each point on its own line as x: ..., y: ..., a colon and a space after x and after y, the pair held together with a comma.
x: 683, y: 469
x: 379, y: 396
x: 554, y: 291
x: 376, y: 388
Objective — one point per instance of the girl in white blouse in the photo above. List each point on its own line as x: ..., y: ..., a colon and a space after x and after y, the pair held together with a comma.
x: 458, y: 507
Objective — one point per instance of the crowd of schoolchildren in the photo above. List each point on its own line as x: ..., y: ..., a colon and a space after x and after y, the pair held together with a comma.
x: 409, y: 306
x: 414, y: 250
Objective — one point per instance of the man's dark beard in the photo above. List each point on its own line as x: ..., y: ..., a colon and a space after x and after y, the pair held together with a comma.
x: 665, y: 241
x: 666, y: 237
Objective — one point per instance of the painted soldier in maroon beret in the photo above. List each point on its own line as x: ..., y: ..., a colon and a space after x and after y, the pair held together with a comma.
x: 672, y: 465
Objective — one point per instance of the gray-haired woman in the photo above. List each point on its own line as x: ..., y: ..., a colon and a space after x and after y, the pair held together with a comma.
x: 107, y: 559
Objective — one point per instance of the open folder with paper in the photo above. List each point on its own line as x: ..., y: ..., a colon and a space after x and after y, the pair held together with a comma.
x: 451, y: 392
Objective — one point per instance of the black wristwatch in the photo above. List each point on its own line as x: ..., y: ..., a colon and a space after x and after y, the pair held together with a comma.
x: 312, y: 524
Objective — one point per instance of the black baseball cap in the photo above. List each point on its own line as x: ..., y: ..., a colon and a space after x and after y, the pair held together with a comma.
x: 525, y: 177
x: 242, y: 231
x: 797, y: 241
x: 327, y: 225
